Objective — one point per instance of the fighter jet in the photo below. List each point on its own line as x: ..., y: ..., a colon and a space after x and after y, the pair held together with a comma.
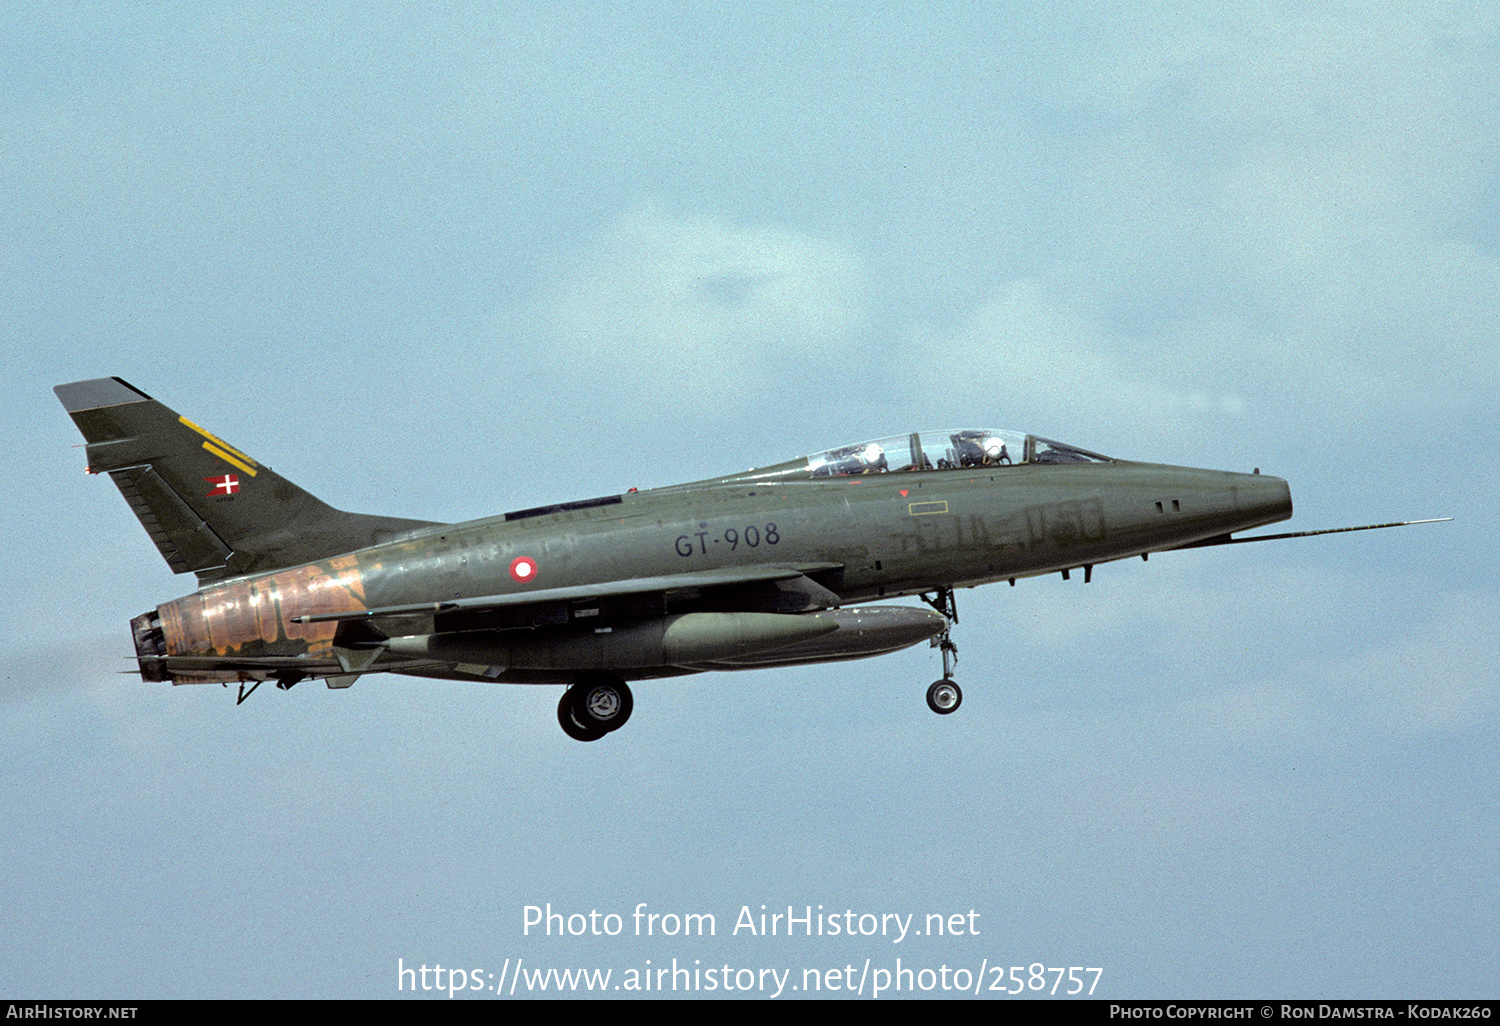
x: 771, y: 567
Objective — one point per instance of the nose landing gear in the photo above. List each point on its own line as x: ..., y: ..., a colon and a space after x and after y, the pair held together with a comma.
x: 945, y: 696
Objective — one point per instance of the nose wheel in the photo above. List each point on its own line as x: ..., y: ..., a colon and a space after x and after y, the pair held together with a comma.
x: 944, y: 696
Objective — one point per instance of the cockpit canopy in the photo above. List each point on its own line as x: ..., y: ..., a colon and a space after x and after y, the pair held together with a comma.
x: 945, y: 450
x: 933, y: 451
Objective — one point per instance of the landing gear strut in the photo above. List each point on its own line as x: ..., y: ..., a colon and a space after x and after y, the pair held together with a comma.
x: 944, y: 696
x: 595, y: 705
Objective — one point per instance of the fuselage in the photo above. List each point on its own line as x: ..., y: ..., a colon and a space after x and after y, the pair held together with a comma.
x: 861, y: 536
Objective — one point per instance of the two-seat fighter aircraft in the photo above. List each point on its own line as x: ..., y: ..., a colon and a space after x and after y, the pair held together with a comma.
x: 766, y: 568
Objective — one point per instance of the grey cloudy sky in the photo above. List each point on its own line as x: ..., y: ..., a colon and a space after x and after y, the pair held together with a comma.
x: 410, y: 254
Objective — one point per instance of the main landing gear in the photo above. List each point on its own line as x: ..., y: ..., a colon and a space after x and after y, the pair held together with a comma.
x: 945, y: 696
x: 596, y: 704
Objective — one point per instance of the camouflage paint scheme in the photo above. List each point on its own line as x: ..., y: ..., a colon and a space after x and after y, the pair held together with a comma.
x: 756, y: 569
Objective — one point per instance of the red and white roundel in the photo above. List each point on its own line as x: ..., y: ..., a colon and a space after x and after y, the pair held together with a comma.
x: 523, y: 569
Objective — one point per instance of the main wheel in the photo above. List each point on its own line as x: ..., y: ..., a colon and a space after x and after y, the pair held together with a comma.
x: 600, y: 702
x: 570, y: 726
x: 944, y: 696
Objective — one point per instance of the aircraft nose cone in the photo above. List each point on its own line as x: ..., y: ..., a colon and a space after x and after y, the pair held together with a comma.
x: 1262, y: 499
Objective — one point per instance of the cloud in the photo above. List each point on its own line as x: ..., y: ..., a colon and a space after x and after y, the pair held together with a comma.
x: 714, y: 309
x: 1312, y: 180
x: 1026, y: 352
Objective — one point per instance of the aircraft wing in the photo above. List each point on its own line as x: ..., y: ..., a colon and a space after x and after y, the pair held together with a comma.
x: 269, y: 666
x: 797, y: 591
x: 339, y: 669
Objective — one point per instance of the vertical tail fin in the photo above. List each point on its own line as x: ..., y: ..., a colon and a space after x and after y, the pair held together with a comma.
x: 208, y: 506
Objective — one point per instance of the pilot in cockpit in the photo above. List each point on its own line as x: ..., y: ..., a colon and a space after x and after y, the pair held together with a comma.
x: 869, y: 458
x: 995, y: 451
x: 978, y: 449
